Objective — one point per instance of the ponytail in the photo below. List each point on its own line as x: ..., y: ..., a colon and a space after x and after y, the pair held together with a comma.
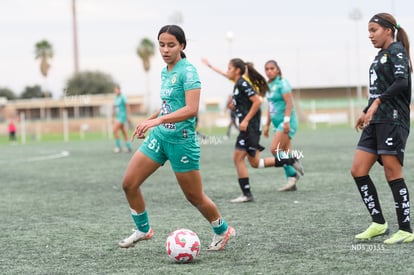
x: 258, y: 81
x: 403, y: 38
x: 386, y: 20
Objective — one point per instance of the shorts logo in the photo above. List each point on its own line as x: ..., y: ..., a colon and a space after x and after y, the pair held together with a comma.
x: 389, y: 142
x: 184, y: 159
x: 242, y: 142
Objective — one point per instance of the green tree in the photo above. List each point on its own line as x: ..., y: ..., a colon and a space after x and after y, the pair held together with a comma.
x: 7, y: 93
x: 89, y: 82
x: 33, y: 92
x: 44, y: 52
x: 145, y: 51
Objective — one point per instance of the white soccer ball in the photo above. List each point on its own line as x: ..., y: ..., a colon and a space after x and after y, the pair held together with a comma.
x: 183, y: 245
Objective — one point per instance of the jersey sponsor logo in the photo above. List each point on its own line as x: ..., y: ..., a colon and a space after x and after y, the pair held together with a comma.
x: 166, y: 109
x: 372, y: 77
x: 166, y: 92
x: 389, y: 142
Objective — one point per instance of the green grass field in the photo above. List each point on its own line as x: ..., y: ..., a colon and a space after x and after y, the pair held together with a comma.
x: 64, y: 214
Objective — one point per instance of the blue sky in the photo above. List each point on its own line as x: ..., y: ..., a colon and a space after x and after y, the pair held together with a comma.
x: 315, y: 42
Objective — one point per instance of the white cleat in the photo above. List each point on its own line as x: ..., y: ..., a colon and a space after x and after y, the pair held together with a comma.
x: 136, y: 237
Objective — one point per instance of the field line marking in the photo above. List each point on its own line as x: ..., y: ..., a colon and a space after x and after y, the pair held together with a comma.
x: 62, y: 154
x: 59, y: 155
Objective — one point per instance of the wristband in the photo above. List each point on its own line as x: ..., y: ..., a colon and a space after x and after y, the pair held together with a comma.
x: 286, y: 119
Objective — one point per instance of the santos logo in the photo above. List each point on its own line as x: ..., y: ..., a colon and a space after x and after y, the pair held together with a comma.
x: 388, y: 141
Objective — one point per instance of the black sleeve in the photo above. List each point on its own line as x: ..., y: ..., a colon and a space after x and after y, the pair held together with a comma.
x: 400, y: 84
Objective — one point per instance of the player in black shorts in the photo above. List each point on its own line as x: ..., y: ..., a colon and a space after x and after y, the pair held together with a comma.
x: 385, y: 125
x: 246, y: 104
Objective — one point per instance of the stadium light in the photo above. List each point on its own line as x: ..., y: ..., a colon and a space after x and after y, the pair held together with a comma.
x: 356, y: 15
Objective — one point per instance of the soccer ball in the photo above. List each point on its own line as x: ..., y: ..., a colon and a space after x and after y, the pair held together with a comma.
x: 183, y: 245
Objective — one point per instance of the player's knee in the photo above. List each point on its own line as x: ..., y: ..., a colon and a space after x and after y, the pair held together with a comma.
x: 355, y: 172
x: 194, y: 199
x: 254, y: 163
x: 128, y: 186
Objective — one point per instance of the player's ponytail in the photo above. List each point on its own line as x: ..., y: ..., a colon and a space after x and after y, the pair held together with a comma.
x: 386, y: 20
x: 403, y: 38
x: 258, y: 81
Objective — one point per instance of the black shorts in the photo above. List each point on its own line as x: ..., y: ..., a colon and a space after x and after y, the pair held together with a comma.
x: 249, y: 142
x: 384, y: 139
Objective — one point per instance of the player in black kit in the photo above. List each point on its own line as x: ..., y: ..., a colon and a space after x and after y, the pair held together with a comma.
x: 247, y: 98
x: 385, y: 124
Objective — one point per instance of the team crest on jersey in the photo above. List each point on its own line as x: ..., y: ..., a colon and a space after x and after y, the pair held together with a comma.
x: 174, y: 79
x: 383, y: 59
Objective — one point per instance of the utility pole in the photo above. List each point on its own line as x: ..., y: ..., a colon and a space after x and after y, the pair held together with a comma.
x: 75, y: 38
x: 356, y: 16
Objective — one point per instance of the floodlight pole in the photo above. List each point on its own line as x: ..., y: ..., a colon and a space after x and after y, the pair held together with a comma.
x: 230, y: 38
x: 356, y: 15
x: 75, y: 38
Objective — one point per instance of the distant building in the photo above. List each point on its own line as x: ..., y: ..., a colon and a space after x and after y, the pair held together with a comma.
x: 80, y: 106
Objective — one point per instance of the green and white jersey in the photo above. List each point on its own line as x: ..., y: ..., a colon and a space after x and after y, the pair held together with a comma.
x: 120, y: 103
x: 277, y: 105
x: 174, y: 84
x: 388, y: 65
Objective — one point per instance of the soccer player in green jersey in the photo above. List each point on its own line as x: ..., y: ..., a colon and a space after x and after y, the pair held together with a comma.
x: 247, y: 98
x: 281, y: 113
x: 173, y: 137
x: 120, y: 120
x: 385, y: 124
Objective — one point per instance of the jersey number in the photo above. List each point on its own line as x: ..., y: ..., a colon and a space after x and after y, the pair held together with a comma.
x: 154, y: 145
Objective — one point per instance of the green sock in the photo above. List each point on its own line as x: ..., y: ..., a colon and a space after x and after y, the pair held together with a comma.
x: 118, y: 143
x: 219, y: 226
x: 141, y: 220
x: 128, y: 144
x: 289, y: 171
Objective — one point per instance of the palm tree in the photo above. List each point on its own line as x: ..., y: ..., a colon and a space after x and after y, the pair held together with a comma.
x: 145, y: 51
x: 44, y: 52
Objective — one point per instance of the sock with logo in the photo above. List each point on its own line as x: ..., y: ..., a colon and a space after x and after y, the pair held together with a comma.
x: 370, y: 198
x: 402, y: 203
x: 141, y: 220
x: 245, y: 186
x: 219, y: 226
